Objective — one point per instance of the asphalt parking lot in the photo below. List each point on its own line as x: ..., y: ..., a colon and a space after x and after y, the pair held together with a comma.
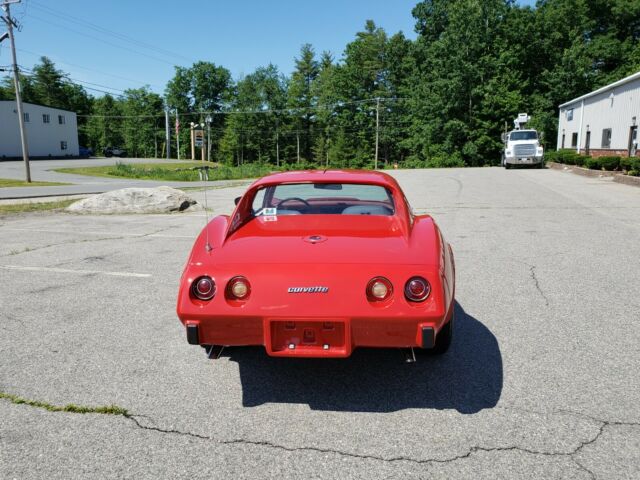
x: 542, y: 380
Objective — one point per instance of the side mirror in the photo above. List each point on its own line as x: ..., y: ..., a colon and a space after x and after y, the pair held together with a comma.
x: 236, y: 200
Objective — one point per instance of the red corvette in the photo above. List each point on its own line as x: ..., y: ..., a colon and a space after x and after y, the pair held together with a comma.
x: 317, y: 263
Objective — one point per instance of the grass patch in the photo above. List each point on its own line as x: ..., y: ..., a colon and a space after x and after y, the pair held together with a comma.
x: 35, y: 206
x: 71, y: 408
x: 10, y: 182
x: 174, y: 172
x: 215, y: 187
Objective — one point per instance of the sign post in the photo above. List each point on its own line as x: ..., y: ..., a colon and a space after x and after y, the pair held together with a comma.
x: 199, y: 139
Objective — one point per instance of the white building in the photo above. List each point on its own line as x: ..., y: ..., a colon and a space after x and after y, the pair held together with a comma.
x: 603, y: 122
x: 51, y: 132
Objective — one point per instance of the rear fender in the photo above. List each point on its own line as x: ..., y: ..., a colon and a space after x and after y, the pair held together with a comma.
x: 215, y: 230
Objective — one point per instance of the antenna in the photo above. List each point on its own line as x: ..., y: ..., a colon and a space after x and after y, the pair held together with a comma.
x: 204, y: 176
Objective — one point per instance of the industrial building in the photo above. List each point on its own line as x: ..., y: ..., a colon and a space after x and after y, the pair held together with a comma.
x: 603, y: 122
x: 51, y: 132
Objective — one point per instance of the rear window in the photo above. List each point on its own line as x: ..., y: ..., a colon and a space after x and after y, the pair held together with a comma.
x: 323, y: 198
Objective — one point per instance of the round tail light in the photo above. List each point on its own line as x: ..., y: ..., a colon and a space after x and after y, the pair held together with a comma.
x: 238, y: 288
x: 379, y: 289
x: 203, y: 288
x: 417, y: 289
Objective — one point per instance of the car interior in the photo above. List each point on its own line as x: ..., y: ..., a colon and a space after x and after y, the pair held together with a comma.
x: 319, y: 198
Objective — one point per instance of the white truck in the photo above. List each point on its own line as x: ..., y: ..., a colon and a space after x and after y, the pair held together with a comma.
x: 521, y: 145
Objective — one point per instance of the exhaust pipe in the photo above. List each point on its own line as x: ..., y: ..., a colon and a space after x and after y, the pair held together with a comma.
x: 213, y: 351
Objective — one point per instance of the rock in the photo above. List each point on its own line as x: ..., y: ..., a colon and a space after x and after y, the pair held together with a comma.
x: 136, y: 200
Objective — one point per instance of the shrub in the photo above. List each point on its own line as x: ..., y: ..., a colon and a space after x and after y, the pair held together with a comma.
x: 567, y: 157
x: 444, y: 161
x: 635, y: 164
x: 610, y: 163
x: 593, y: 164
x: 551, y: 156
x: 412, y: 161
x: 625, y: 163
x: 580, y: 160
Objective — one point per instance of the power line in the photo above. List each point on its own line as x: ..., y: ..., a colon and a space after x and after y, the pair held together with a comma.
x: 70, y: 81
x: 290, y: 111
x: 82, y: 22
x: 101, y: 40
x: 73, y: 80
x: 88, y: 69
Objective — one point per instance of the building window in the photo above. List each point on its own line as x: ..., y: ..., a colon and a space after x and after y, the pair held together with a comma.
x: 63, y: 145
x: 574, y: 139
x: 26, y: 116
x: 562, y: 145
x: 61, y: 119
x: 46, y: 118
x: 606, y: 138
x: 569, y: 114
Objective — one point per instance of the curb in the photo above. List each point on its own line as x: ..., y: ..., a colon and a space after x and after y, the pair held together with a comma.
x: 627, y: 180
x: 41, y: 199
x: 51, y: 195
x: 586, y: 172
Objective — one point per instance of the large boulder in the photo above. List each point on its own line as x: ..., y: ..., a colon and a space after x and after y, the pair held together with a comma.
x: 136, y: 200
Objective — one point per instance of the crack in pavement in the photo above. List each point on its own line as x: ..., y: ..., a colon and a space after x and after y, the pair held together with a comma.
x: 117, y: 411
x: 532, y: 272
x: 15, y: 319
x: 472, y: 450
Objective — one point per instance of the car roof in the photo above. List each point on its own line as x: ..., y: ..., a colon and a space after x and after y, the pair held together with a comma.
x: 329, y: 176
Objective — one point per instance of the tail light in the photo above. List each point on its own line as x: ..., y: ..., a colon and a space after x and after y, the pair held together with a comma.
x: 238, y: 288
x: 417, y: 289
x: 203, y: 288
x: 379, y: 289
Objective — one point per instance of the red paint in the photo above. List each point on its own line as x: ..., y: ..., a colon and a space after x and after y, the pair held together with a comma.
x: 275, y: 255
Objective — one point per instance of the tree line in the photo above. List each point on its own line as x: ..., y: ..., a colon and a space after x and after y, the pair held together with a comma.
x: 439, y: 100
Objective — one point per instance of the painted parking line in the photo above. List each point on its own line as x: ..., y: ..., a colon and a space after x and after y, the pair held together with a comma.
x: 115, y: 234
x: 77, y: 272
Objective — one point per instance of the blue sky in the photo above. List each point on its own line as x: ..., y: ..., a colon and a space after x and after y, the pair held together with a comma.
x: 107, y: 43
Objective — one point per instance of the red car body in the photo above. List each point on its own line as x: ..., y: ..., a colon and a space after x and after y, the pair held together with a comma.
x: 307, y: 278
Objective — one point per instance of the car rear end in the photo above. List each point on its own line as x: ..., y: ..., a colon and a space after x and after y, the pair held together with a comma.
x: 321, y: 291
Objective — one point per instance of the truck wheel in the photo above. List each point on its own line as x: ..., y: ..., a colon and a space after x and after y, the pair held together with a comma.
x: 507, y: 166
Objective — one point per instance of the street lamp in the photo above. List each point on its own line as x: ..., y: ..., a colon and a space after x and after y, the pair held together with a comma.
x: 208, y: 120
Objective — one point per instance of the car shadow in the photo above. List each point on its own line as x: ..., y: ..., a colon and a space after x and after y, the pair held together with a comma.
x: 468, y: 378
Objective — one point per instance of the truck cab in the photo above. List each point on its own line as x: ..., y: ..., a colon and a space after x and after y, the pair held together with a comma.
x: 522, y: 147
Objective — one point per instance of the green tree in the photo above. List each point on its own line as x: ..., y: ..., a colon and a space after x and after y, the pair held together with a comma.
x: 105, y: 126
x: 143, y: 122
x: 302, y: 101
x: 253, y: 124
x: 202, y: 89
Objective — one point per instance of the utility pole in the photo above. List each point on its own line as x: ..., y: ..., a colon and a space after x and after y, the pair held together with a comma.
x: 277, y: 143
x: 203, y: 153
x: 23, y: 134
x: 178, y: 134
x: 298, y: 144
x: 209, y: 120
x: 193, y: 142
x: 375, y: 166
x: 167, y: 132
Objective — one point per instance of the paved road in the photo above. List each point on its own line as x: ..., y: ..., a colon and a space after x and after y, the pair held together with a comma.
x: 43, y: 170
x: 541, y: 381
